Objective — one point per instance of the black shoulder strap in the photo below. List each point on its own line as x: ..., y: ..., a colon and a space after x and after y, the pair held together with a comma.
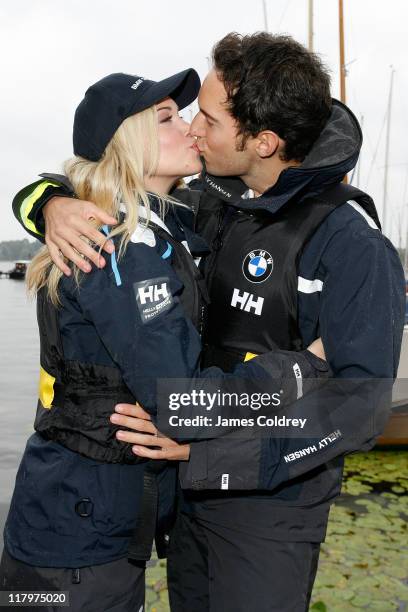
x: 51, y: 348
x: 188, y: 196
x: 341, y: 193
x: 194, y: 296
x: 304, y: 218
x: 50, y: 335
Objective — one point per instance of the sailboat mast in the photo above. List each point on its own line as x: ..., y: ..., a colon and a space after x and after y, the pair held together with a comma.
x: 310, y: 20
x: 387, y: 150
x: 342, y: 61
x: 342, y: 54
x: 265, y: 13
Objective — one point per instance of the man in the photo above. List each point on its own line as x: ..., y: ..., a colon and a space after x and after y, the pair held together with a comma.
x: 305, y: 258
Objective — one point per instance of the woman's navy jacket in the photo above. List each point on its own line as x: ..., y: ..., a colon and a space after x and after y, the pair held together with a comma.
x: 127, y: 315
x: 105, y: 322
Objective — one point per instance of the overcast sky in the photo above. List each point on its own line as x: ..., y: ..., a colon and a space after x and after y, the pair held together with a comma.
x: 52, y: 50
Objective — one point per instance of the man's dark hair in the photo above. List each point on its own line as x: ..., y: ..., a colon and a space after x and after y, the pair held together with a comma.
x: 274, y: 83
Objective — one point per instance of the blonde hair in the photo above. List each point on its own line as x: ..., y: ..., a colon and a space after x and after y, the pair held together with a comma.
x: 116, y: 179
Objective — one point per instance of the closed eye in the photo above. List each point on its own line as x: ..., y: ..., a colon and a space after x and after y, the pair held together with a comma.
x: 170, y: 118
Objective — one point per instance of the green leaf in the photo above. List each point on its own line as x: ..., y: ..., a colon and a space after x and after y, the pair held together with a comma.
x: 319, y: 606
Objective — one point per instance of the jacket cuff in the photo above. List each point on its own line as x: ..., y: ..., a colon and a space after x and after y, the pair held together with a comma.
x: 318, y: 364
x: 194, y: 472
x: 228, y: 463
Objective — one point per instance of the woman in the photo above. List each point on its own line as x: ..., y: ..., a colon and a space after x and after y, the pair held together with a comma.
x: 83, y: 501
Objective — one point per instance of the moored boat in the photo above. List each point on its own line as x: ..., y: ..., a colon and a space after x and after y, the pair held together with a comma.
x: 396, y: 430
x: 19, y: 270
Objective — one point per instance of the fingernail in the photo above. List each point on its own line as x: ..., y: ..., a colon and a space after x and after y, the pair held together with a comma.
x: 119, y: 408
x: 87, y: 268
x: 135, y: 449
x: 110, y: 247
x: 115, y: 418
x: 120, y: 434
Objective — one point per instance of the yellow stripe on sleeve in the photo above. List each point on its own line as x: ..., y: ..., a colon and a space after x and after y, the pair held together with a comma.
x: 28, y: 203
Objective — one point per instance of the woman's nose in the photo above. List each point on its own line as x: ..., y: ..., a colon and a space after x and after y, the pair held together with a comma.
x: 186, y: 126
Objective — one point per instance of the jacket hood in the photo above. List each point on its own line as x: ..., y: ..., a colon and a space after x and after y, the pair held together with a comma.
x: 333, y: 154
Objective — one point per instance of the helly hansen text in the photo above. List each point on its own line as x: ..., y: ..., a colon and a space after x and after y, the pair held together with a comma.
x: 308, y: 450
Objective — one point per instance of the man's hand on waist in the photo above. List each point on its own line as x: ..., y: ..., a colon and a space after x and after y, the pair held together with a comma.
x: 147, y: 440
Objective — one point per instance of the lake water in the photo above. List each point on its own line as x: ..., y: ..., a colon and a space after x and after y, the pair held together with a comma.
x: 19, y: 369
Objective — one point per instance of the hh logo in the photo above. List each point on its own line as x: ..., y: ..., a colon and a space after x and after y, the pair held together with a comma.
x: 153, y: 293
x: 247, y: 302
x: 153, y: 297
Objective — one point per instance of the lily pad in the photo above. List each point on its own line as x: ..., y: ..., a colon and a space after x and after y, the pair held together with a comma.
x: 361, y: 564
x: 398, y: 489
x: 366, y: 531
x: 319, y: 606
x: 360, y: 601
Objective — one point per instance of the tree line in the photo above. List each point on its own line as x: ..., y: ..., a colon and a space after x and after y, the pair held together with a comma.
x: 11, y: 250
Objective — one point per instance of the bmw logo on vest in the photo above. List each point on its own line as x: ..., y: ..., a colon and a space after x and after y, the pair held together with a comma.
x: 257, y: 266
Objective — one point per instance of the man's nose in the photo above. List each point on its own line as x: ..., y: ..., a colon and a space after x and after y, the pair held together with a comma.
x: 197, y: 126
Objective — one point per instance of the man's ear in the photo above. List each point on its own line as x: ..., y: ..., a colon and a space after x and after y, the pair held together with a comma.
x: 267, y: 143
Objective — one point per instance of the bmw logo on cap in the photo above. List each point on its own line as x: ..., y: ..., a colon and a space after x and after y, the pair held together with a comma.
x: 257, y: 266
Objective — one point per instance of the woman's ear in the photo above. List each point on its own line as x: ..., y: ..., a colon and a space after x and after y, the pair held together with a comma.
x: 267, y: 143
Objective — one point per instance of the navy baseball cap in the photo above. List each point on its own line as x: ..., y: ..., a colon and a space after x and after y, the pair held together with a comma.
x: 111, y: 100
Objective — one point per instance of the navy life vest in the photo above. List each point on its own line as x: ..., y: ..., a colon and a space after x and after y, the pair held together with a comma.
x: 77, y: 399
x: 252, y: 276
